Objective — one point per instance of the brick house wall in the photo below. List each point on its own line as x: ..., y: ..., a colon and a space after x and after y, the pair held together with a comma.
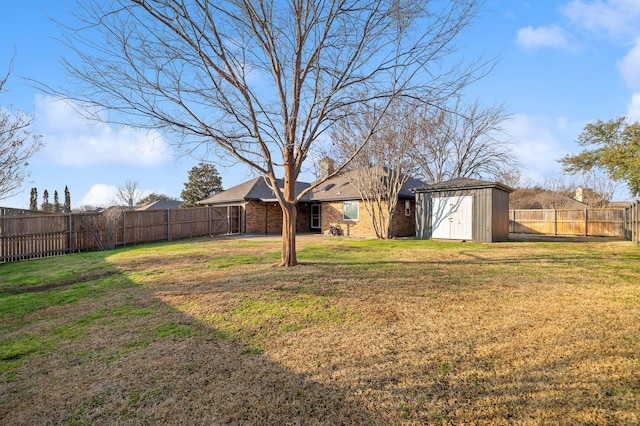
x: 266, y: 218
x: 401, y: 225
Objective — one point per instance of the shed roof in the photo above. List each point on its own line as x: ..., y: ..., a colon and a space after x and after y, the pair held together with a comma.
x: 462, y: 183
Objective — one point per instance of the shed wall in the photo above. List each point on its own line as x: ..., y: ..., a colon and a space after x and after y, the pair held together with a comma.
x: 490, y: 213
x: 500, y: 222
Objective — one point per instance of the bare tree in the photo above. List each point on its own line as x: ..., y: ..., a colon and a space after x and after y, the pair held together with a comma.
x: 555, y: 194
x: 464, y: 141
x: 596, y: 189
x: 17, y: 146
x: 383, y: 166
x: 103, y: 227
x: 130, y: 194
x: 261, y: 82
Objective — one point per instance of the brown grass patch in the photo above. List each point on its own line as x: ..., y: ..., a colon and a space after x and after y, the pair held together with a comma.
x: 405, y: 332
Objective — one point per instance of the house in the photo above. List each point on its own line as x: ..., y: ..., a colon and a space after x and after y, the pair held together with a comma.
x: 334, y: 205
x: 160, y: 205
x: 463, y: 209
x: 342, y: 206
x: 252, y: 208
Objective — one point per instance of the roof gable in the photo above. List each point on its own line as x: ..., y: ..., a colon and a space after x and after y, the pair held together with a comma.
x: 254, y: 189
x: 341, y: 187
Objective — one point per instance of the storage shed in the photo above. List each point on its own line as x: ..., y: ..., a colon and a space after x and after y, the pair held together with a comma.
x: 463, y: 209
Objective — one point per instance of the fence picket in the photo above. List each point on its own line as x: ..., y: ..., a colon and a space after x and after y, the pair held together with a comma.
x: 622, y: 222
x: 26, y: 234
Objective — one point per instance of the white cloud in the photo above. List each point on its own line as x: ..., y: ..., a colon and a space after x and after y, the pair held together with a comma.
x: 535, y: 146
x: 633, y: 108
x: 99, y: 195
x: 616, y: 18
x: 629, y: 66
x: 74, y: 140
x: 547, y: 36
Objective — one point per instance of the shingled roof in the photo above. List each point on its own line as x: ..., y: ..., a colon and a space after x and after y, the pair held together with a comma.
x: 337, y: 188
x: 461, y: 183
x: 254, y: 189
x: 341, y: 188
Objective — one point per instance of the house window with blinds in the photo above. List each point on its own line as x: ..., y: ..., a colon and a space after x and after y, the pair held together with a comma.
x: 350, y: 210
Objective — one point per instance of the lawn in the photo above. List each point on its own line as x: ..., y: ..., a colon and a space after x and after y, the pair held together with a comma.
x: 362, y: 332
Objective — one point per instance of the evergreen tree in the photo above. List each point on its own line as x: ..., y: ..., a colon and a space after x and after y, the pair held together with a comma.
x: 46, y: 205
x: 204, y: 182
x: 67, y: 200
x: 33, y: 202
x: 56, y: 202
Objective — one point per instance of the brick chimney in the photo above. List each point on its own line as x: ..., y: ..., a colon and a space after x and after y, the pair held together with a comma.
x: 327, y: 166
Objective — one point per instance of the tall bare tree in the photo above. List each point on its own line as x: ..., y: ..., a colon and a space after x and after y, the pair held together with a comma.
x: 17, y: 146
x: 129, y: 194
x: 260, y: 82
x: 384, y: 165
x: 463, y: 141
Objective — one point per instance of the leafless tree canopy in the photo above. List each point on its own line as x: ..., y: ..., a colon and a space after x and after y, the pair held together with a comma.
x: 261, y: 82
x: 384, y: 165
x: 464, y: 141
x: 130, y: 194
x: 17, y: 146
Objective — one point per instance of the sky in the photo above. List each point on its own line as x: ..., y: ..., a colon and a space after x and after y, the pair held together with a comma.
x: 560, y: 65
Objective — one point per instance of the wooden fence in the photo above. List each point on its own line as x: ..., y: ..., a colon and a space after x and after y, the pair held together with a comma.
x: 571, y: 222
x: 25, y: 234
x: 632, y: 223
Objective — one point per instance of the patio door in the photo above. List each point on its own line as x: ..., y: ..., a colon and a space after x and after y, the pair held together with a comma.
x: 315, y: 217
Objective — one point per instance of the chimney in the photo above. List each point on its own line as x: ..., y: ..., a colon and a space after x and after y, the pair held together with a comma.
x: 579, y: 194
x: 327, y: 166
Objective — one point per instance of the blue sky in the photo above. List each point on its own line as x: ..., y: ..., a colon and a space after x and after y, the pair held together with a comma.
x: 562, y: 64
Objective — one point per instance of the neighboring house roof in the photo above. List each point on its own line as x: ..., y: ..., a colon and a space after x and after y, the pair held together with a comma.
x: 160, y: 205
x: 337, y: 188
x: 254, y: 189
x: 461, y: 183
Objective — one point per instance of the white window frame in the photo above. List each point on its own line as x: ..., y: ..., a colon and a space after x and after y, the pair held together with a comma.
x: 349, y: 205
x: 407, y: 207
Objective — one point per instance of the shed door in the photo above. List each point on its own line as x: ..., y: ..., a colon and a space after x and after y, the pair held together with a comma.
x: 452, y: 218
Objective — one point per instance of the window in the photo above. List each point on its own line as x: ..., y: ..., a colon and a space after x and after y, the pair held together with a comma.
x: 350, y: 210
x: 407, y: 207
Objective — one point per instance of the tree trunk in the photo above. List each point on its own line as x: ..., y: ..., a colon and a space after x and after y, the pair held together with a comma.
x: 289, y: 216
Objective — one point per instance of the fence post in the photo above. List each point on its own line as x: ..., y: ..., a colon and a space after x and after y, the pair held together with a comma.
x: 636, y: 224
x: 70, y: 235
x: 586, y: 222
x: 555, y: 222
x: 168, y: 225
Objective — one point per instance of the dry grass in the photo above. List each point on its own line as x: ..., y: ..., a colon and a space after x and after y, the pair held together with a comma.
x: 363, y: 332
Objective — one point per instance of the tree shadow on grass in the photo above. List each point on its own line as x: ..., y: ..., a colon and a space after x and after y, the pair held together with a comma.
x: 123, y: 356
